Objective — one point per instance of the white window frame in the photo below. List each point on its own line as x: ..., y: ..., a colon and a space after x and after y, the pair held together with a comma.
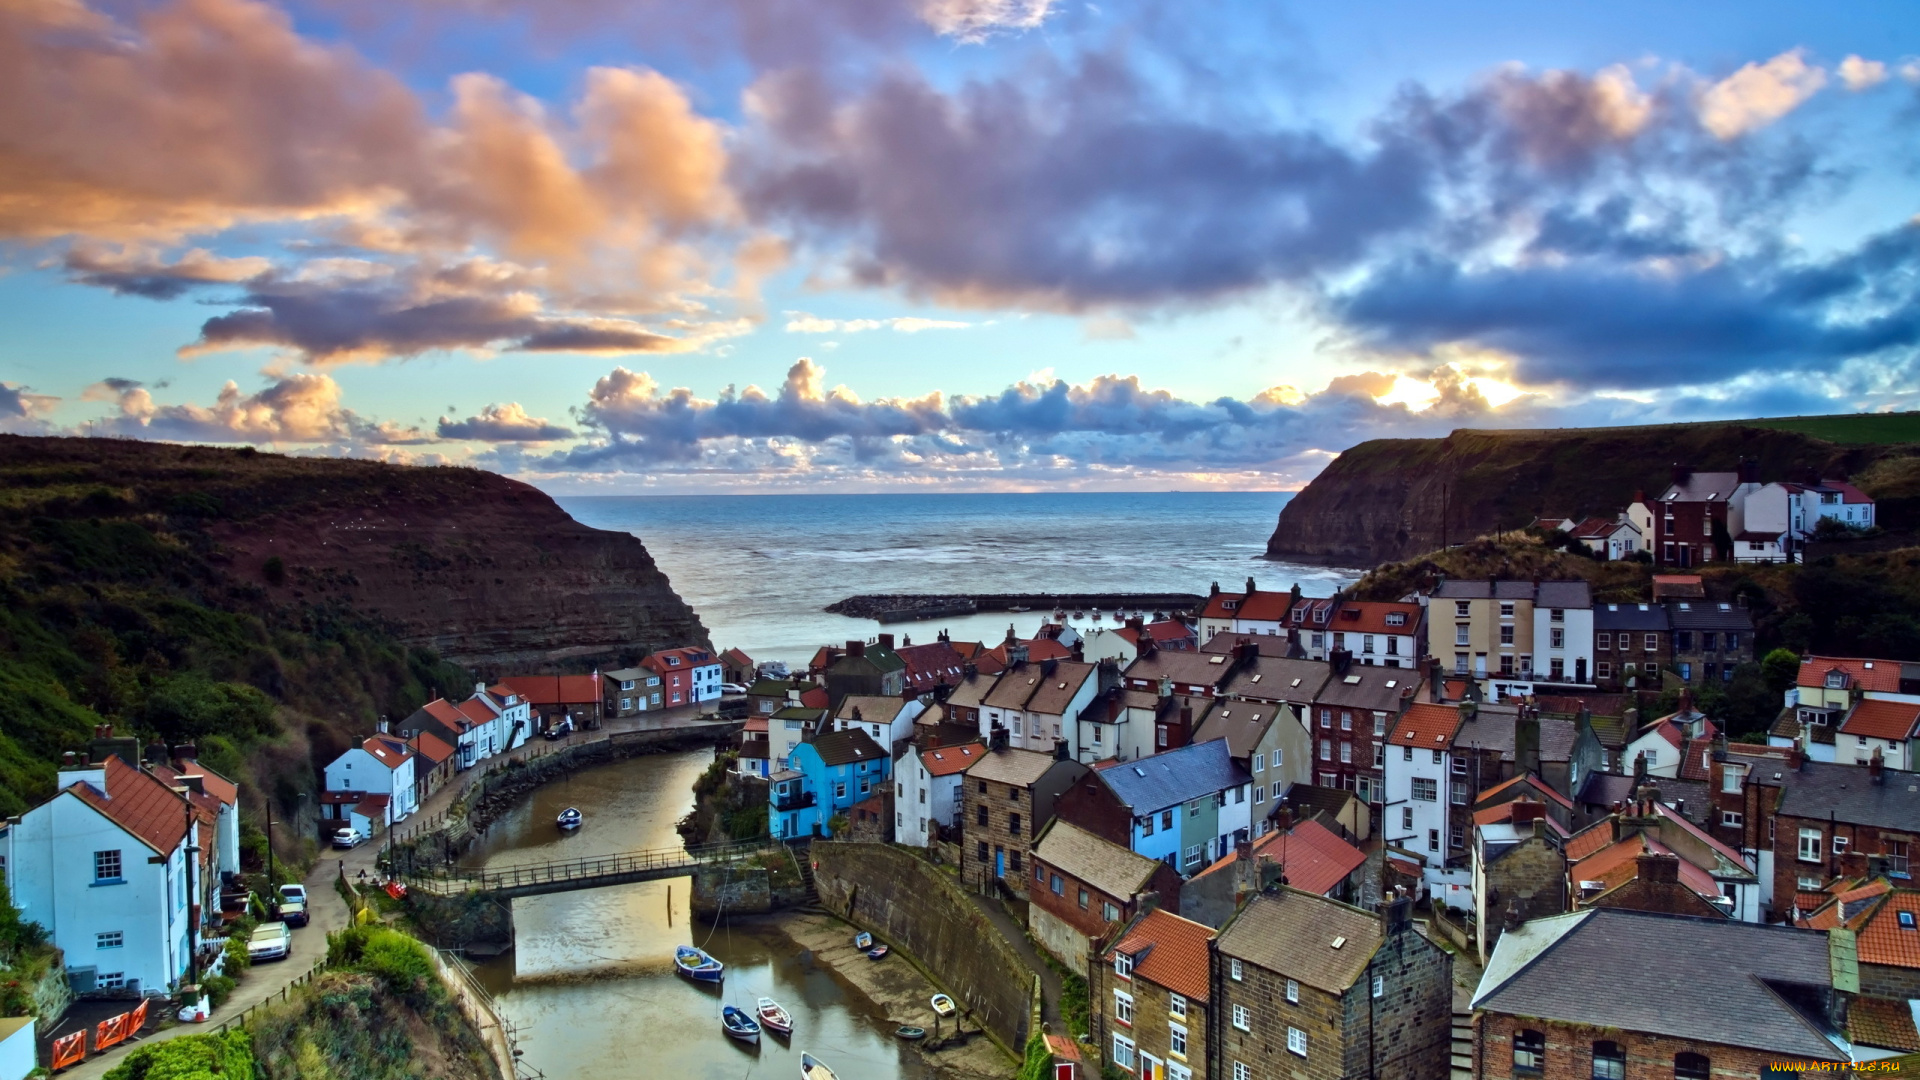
x: 1242, y: 1018
x: 1810, y: 849
x: 1233, y: 969
x: 1177, y: 1040
x: 1177, y: 1006
x: 1296, y: 1041
x: 1293, y: 991
x: 1123, y: 1007
x: 1122, y: 1051
x: 1241, y: 1072
x: 1123, y: 965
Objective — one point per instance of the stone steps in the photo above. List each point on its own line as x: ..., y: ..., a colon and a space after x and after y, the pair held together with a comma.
x: 1462, y: 1049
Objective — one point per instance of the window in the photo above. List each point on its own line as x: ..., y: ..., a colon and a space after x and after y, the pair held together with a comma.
x: 1809, y: 845
x: 1123, y: 965
x: 1529, y: 1052
x: 1293, y: 991
x: 1406, y: 817
x: 1506, y: 609
x: 1123, y: 1051
x: 1603, y: 640
x: 1603, y: 669
x: 1459, y: 793
x: 979, y: 815
x: 1462, y: 634
x: 1733, y: 642
x: 1166, y: 820
x: 1326, y: 719
x: 1462, y: 609
x: 1379, y: 986
x: 981, y: 851
x: 1083, y: 899
x: 1367, y: 643
x: 1732, y: 819
x: 1425, y: 788
x: 110, y: 980
x: 1193, y: 856
x: 1379, y: 724
x: 1557, y: 669
x: 1433, y: 839
x: 1557, y: 638
x: 1233, y: 970
x: 1436, y: 757
x: 1259, y: 794
x: 1652, y: 643
x: 1506, y: 634
x: 1458, y: 838
x: 1346, y: 752
x: 112, y: 939
x: 1897, y: 859
x: 1346, y: 720
x: 1690, y: 1066
x: 1176, y: 1040
x: 1177, y: 1007
x: 1259, y: 763
x: 106, y: 866
x: 1297, y: 1041
x: 1683, y: 641
x: 1609, y: 1061
x: 1123, y: 1007
x: 1013, y: 824
x: 1242, y: 1019
x: 1109, y: 912
x: 1241, y: 1072
x: 1406, y: 753
x: 1059, y: 887
x: 1326, y: 749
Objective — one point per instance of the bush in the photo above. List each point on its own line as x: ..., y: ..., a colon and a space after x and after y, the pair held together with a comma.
x: 218, y: 989
x: 389, y: 955
x: 191, y: 706
x: 192, y: 1057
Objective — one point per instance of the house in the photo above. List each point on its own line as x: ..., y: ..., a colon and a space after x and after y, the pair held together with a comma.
x: 1309, y: 625
x: 1341, y: 809
x: 1553, y: 1003
x: 887, y: 720
x: 927, y: 788
x: 1669, y: 742
x: 1425, y: 791
x: 1831, y: 822
x: 1309, y: 856
x: 797, y: 723
x: 1710, y: 640
x: 1307, y: 986
x: 1560, y: 809
x: 1519, y: 870
x: 826, y: 778
x: 1252, y: 612
x: 965, y: 700
x: 212, y: 793
x: 448, y: 723
x: 1351, y: 716
x: 736, y: 667
x: 1499, y: 742
x: 380, y: 765
x: 105, y: 866
x: 1827, y: 688
x: 1655, y: 884
x: 1166, y: 634
x: 689, y: 675
x: 1039, y: 703
x: 1689, y: 522
x: 1884, y: 919
x: 866, y: 668
x: 932, y: 665
x: 1610, y: 539
x: 1007, y: 797
x: 1269, y: 742
x: 548, y: 700
x: 433, y: 763
x: 1149, y: 996
x: 1630, y: 642
x: 1888, y: 728
x: 1084, y: 887
x: 1513, y: 636
x: 1604, y: 854
x: 1386, y: 634
x: 1787, y: 515
x: 767, y: 696
x: 630, y: 691
x: 1185, y: 807
x: 755, y: 755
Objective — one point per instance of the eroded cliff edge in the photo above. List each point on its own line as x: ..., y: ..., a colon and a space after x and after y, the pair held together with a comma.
x: 1391, y: 499
x: 484, y: 570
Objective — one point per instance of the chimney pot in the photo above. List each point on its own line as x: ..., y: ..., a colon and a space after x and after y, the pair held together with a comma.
x: 886, y: 641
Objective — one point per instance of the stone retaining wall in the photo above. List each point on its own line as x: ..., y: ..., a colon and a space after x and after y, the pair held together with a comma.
x: 919, y: 909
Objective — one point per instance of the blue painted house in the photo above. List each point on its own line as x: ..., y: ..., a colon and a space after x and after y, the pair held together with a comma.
x: 1185, y: 807
x: 828, y: 776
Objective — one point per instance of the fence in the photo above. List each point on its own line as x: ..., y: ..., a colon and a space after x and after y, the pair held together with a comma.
x: 585, y: 870
x: 484, y: 1012
x: 298, y: 980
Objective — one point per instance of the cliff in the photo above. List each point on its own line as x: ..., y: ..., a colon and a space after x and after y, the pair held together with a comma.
x: 1391, y: 499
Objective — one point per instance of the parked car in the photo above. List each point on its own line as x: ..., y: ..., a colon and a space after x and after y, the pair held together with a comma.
x: 270, y: 941
x: 293, y: 905
x: 349, y: 837
x: 732, y: 688
x: 560, y: 730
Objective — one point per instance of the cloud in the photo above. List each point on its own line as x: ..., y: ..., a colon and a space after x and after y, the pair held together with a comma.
x: 143, y: 272
x: 21, y: 403
x: 503, y: 423
x: 977, y: 20
x: 1860, y: 74
x: 297, y: 408
x: 799, y: 322
x: 1759, y: 94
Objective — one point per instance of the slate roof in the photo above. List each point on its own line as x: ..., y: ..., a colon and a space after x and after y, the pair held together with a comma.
x: 634, y: 674
x: 1607, y: 789
x: 1482, y: 589
x: 1492, y: 729
x: 1705, y: 615
x: 1241, y: 723
x: 1564, y: 594
x: 1169, y: 951
x: 846, y: 747
x: 1099, y: 862
x: 1846, y: 793
x: 1016, y: 687
x: 1183, y: 667
x: 1275, y: 645
x: 1277, y: 678
x: 1311, y: 799
x: 1166, y: 779
x: 1291, y: 932
x: 969, y: 693
x: 1057, y: 690
x: 1687, y: 976
x: 873, y: 709
x: 1702, y: 487
x: 1369, y: 688
x: 1878, y: 718
x: 1636, y: 618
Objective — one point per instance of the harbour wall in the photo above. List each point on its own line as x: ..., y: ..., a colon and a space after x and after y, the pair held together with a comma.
x: 914, y: 906
x: 908, y: 607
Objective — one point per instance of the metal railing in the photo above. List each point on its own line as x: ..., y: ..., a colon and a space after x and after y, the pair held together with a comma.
x: 583, y: 870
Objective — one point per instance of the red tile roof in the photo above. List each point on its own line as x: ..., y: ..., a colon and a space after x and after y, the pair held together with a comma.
x: 446, y: 712
x: 1503, y: 813
x: 1884, y: 941
x: 947, y: 760
x: 1617, y: 864
x: 1038, y: 650
x: 1426, y: 725
x: 432, y: 747
x: 736, y: 657
x: 1313, y: 856
x: 815, y: 698
x: 1370, y: 617
x: 1834, y: 912
x: 474, y: 710
x: 1166, y: 634
x: 389, y: 751
x: 1589, y: 840
x: 545, y: 690
x: 139, y: 803
x: 1848, y: 493
x: 1176, y: 952
x: 1885, y: 1022
x: 1529, y: 781
x: 1877, y: 718
x: 1882, y: 675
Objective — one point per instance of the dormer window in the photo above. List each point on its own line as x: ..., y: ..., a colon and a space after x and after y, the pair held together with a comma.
x: 1836, y: 680
x: 1396, y: 618
x: 1123, y: 965
x: 673, y: 661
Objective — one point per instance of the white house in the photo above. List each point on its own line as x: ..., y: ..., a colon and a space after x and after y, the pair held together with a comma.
x: 1890, y: 728
x: 217, y: 797
x: 927, y: 790
x: 1611, y: 539
x: 1562, y: 633
x: 1665, y: 741
x: 382, y: 765
x: 1421, y: 788
x: 103, y: 866
x: 512, y: 713
x: 886, y: 720
x: 1037, y: 703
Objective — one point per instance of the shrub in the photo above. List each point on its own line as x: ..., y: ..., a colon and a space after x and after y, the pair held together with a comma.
x: 389, y: 955
x: 218, y: 989
x: 192, y: 1057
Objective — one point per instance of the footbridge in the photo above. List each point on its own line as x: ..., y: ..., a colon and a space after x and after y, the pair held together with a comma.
x: 593, y: 872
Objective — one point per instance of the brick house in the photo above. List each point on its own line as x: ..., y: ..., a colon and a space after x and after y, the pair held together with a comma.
x: 1084, y: 886
x: 1832, y: 822
x: 1149, y: 1001
x: 1710, y: 640
x: 1314, y: 989
x: 1630, y: 641
x: 1607, y: 994
x: 1007, y: 796
x: 1687, y: 525
x: 1350, y: 717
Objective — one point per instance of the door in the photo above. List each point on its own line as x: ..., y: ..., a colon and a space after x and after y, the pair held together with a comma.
x: 999, y: 862
x: 1152, y: 1068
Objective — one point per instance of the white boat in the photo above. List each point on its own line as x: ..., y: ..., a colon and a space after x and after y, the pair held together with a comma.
x: 773, y: 1017
x: 569, y: 819
x: 943, y: 1005
x: 812, y: 1068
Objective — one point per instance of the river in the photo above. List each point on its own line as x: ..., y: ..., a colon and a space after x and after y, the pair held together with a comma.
x: 590, y: 983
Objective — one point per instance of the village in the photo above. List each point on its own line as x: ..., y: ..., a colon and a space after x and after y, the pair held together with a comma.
x: 1450, y: 835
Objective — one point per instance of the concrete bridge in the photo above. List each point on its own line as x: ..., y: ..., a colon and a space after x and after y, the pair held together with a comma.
x: 540, y: 878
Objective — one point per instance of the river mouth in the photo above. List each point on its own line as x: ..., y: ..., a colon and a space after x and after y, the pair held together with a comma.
x: 590, y: 986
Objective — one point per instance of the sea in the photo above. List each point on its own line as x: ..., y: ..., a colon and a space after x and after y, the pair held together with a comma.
x: 760, y: 569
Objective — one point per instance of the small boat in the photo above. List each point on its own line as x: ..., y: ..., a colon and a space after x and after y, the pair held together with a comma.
x: 697, y: 965
x: 943, y: 1006
x: 569, y: 819
x: 1079, y: 614
x: 1018, y: 608
x: 876, y: 952
x: 910, y: 1033
x: 812, y: 1068
x: 773, y: 1017
x: 863, y: 941
x: 739, y: 1025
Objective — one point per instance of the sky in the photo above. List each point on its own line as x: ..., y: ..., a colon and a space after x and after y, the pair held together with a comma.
x: 645, y: 246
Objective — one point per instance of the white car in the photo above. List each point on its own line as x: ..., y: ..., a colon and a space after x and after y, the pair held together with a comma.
x: 270, y: 941
x: 732, y: 688
x: 349, y: 837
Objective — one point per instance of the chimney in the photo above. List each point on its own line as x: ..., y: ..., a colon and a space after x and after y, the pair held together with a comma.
x: 1342, y: 660
x: 1515, y: 917
x: 886, y: 641
x: 1682, y: 473
x: 1250, y: 589
x: 1048, y: 667
x: 1526, y: 742
x: 1639, y: 769
x: 156, y: 753
x: 969, y: 671
x: 1246, y: 651
x: 1016, y: 654
x: 67, y: 760
x: 1135, y: 623
x: 1215, y: 590
x: 997, y: 739
x: 186, y: 752
x: 1186, y: 716
x: 1060, y: 750
x: 856, y: 648
x: 1652, y: 866
x: 1749, y: 471
x: 381, y: 726
x: 1398, y: 915
x: 1877, y: 767
x: 1540, y: 828
x: 1146, y: 901
x: 1080, y: 652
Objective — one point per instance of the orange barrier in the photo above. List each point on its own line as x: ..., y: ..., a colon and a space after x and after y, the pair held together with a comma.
x: 111, y: 1032
x: 69, y: 1049
x: 137, y: 1019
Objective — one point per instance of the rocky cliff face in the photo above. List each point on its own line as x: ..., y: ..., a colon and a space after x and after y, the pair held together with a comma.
x: 1392, y: 499
x: 485, y: 570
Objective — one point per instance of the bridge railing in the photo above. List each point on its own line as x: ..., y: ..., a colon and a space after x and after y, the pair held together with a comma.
x: 569, y: 871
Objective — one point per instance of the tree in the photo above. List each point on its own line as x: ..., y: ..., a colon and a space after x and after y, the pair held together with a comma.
x: 1779, y: 669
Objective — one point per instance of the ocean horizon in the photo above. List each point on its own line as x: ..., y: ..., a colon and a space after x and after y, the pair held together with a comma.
x: 760, y: 569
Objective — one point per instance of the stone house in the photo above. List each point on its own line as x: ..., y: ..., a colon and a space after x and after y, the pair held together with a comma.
x: 1832, y: 822
x: 1007, y: 797
x: 866, y: 669
x: 1630, y: 641
x: 1519, y: 870
x: 1149, y: 998
x: 1656, y: 886
x: 1573, y: 997
x: 1083, y: 887
x: 630, y: 691
x: 736, y: 667
x: 1710, y: 640
x: 1311, y: 988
